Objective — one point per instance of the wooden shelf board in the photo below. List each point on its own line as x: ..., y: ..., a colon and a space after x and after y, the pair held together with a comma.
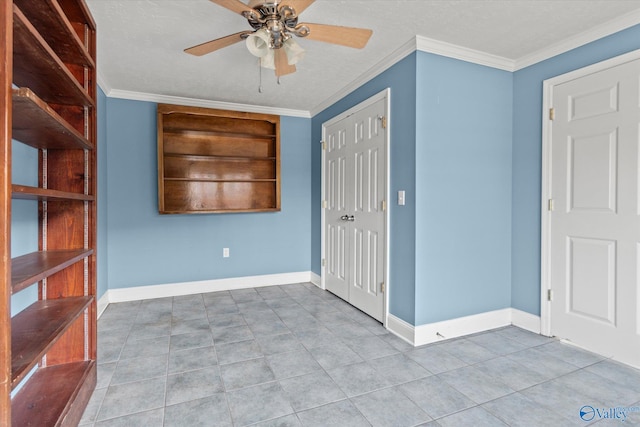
x: 35, y: 193
x: 183, y: 132
x: 35, y: 329
x: 36, y: 66
x: 55, y: 395
x: 225, y: 158
x: 220, y: 180
x: 217, y: 211
x: 78, y: 11
x: 59, y: 33
x: 30, y: 268
x: 39, y: 126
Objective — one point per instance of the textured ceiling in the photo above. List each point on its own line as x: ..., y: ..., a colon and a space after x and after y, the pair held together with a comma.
x: 141, y: 42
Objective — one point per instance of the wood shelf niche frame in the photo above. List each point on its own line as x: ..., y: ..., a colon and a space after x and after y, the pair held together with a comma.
x: 217, y: 161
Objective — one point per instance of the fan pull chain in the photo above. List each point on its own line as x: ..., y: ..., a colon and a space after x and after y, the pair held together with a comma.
x: 260, y: 76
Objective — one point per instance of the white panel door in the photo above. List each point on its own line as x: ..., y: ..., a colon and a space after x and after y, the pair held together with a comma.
x: 336, y: 234
x: 595, y: 224
x: 355, y: 188
x: 367, y: 227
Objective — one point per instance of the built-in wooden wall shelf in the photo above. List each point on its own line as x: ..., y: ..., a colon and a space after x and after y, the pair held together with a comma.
x: 216, y: 161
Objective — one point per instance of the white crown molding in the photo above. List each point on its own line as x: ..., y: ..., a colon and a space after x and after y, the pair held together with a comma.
x: 104, y: 85
x: 450, y: 50
x: 396, y: 56
x: 423, y: 44
x: 591, y: 35
x: 193, y: 102
x: 417, y: 43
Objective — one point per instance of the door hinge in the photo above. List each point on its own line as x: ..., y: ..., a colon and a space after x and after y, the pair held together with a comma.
x: 550, y: 205
x: 324, y: 204
x: 552, y: 113
x: 383, y: 205
x: 324, y: 145
x: 323, y: 262
x: 383, y: 121
x: 549, y: 295
x: 383, y: 288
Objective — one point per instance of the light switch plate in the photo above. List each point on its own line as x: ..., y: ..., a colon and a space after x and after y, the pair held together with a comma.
x: 401, y: 197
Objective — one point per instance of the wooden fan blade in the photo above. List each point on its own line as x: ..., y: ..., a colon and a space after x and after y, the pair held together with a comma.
x: 234, y: 5
x: 213, y: 45
x: 254, y: 3
x: 282, y: 64
x: 345, y: 36
x: 298, y: 5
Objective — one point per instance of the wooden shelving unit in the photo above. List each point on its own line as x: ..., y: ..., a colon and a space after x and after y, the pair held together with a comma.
x: 48, y: 350
x: 38, y: 125
x: 33, y: 267
x: 216, y: 161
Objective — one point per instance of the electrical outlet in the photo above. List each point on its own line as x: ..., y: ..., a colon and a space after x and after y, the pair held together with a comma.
x: 225, y: 253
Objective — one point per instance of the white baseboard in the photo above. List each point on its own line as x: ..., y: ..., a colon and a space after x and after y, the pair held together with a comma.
x: 315, y: 279
x: 438, y: 331
x: 188, y: 288
x: 416, y: 335
x: 525, y: 320
x: 400, y: 328
x: 103, y: 302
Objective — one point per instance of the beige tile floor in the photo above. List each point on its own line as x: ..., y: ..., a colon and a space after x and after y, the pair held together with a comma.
x: 296, y: 355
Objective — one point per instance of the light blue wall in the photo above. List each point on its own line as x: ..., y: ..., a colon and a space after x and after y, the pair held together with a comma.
x: 401, y: 78
x: 146, y: 248
x: 24, y: 217
x: 465, y: 146
x: 451, y: 153
x: 527, y: 157
x: 103, y: 237
x: 463, y: 188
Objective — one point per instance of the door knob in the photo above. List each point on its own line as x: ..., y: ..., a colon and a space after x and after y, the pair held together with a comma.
x: 348, y: 218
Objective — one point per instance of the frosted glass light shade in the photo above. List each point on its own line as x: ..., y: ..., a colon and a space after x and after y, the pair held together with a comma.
x: 293, y: 50
x: 258, y: 43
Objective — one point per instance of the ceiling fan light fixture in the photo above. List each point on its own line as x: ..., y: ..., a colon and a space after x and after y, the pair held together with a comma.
x: 258, y: 43
x: 268, y: 60
x: 274, y: 24
x: 293, y: 51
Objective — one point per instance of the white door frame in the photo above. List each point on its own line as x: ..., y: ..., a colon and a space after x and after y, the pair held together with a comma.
x: 386, y: 95
x: 547, y: 103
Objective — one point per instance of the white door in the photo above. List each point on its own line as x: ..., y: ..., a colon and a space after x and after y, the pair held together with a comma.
x: 355, y: 188
x: 594, y: 226
x: 337, y: 260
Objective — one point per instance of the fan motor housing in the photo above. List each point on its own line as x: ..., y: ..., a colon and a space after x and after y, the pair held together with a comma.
x: 270, y: 11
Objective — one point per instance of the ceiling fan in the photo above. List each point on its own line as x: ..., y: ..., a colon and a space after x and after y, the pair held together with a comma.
x: 274, y: 24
